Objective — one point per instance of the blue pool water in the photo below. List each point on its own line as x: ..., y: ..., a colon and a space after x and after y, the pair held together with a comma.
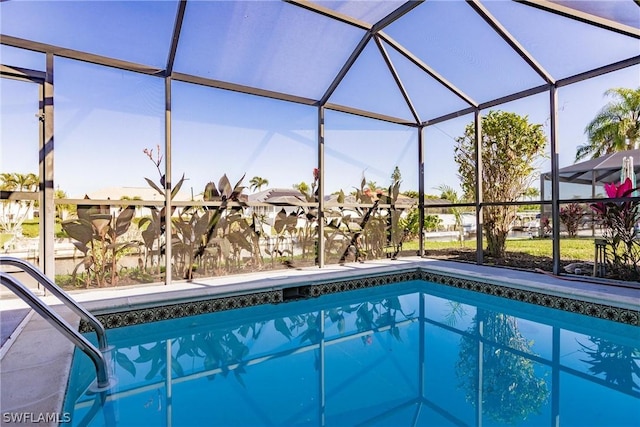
x: 410, y: 354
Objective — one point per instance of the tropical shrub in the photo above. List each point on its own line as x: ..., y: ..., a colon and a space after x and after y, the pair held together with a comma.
x: 619, y: 221
x: 545, y: 225
x: 97, y: 234
x: 412, y: 222
x: 571, y: 216
x: 374, y: 230
x: 510, y: 148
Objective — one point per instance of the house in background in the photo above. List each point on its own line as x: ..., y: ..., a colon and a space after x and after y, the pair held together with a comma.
x: 137, y: 193
x: 267, y: 203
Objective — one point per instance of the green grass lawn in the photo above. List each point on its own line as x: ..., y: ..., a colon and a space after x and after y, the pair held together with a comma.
x: 570, y: 248
x: 31, y: 228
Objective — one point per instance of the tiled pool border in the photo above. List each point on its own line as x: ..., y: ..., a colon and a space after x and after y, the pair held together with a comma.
x: 191, y: 308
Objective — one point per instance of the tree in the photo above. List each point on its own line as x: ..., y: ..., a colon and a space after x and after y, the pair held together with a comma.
x: 62, y: 210
x: 256, y: 183
x: 412, y: 193
x: 448, y: 193
x: 616, y: 127
x: 396, y: 176
x: 18, y: 181
x: 531, y: 193
x: 411, y: 222
x: 571, y: 216
x: 303, y: 187
x: 14, y: 212
x: 510, y: 147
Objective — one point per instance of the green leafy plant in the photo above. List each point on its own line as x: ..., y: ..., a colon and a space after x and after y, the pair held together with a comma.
x: 365, y: 231
x: 510, y: 147
x: 188, y: 228
x: 297, y: 227
x: 153, y: 227
x: 616, y: 127
x: 412, y: 222
x: 285, y: 227
x: 619, y: 221
x: 97, y: 234
x: 228, y: 231
x: 571, y: 216
x: 345, y: 234
x: 382, y: 230
x: 307, y: 234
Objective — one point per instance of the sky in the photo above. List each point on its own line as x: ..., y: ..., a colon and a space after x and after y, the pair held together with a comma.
x: 105, y: 118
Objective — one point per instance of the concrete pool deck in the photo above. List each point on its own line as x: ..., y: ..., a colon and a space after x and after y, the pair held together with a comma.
x: 36, y: 359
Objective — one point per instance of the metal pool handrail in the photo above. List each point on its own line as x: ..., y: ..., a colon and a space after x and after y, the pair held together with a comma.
x: 60, y: 294
x: 102, y: 370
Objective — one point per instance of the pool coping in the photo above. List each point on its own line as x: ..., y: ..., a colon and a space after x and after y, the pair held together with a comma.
x: 211, y: 295
x: 178, y: 299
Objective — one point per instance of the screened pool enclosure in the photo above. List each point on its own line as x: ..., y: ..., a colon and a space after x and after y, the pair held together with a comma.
x: 152, y: 141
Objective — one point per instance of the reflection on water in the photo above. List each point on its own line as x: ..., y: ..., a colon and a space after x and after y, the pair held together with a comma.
x: 511, y: 391
x: 408, y: 354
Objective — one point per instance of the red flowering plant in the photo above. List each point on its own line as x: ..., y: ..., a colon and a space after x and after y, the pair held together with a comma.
x: 619, y: 220
x: 545, y: 225
x: 571, y: 216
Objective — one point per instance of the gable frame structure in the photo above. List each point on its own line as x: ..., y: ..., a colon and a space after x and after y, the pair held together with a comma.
x: 374, y: 33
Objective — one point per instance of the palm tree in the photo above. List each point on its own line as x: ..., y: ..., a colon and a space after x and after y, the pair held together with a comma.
x: 531, y: 193
x: 448, y: 193
x: 616, y: 127
x: 62, y: 210
x: 396, y: 176
x: 303, y: 187
x: 14, y: 212
x: 257, y: 183
x: 18, y: 181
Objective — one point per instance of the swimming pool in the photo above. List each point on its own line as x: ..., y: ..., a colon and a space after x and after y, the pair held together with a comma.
x: 392, y: 355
